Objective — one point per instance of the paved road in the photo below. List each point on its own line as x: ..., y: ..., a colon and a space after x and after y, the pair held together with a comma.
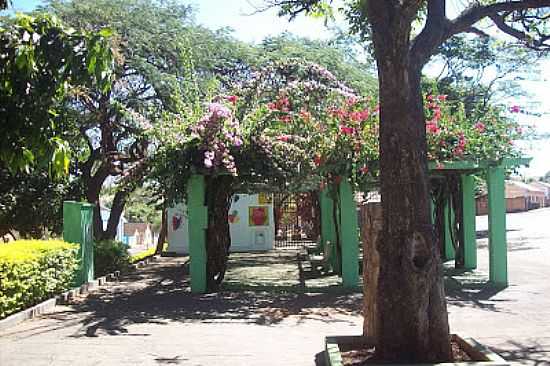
x: 516, y: 321
x: 150, y: 318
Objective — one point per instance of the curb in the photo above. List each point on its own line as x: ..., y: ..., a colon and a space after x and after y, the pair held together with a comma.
x: 65, y: 297
x: 333, y: 356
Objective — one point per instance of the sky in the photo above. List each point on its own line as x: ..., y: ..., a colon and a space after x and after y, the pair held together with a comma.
x: 237, y: 15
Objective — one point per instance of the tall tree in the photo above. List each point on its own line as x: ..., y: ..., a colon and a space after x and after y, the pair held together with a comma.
x: 151, y: 55
x: 412, y: 316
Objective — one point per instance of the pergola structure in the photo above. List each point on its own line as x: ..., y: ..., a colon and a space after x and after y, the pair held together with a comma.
x: 346, y: 213
x: 494, y: 173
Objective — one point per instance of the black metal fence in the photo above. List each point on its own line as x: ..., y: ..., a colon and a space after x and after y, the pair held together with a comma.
x: 296, y: 220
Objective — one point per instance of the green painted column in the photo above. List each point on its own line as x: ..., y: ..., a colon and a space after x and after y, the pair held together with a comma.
x: 469, y: 221
x: 78, y: 228
x: 349, y: 235
x: 197, y: 216
x: 498, y: 261
x: 448, y: 217
x: 328, y: 229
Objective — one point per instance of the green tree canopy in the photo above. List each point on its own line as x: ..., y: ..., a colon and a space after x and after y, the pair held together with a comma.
x: 40, y: 61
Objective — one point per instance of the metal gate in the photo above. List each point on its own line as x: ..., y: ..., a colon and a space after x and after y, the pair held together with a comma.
x: 296, y: 219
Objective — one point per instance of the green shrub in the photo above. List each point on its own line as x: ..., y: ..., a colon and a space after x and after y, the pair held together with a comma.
x: 142, y: 255
x: 147, y: 253
x: 110, y: 256
x: 32, y: 271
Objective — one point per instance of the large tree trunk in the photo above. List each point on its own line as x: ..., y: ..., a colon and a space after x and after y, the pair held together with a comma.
x: 412, y: 312
x: 218, y: 198
x: 93, y: 188
x: 119, y: 201
x: 163, y: 231
x: 372, y: 224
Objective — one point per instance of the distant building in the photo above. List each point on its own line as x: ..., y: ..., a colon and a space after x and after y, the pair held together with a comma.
x: 251, y: 224
x: 545, y: 187
x: 519, y: 197
x: 138, y: 234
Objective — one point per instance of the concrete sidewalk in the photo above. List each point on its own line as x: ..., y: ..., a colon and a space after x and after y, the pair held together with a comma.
x: 150, y: 318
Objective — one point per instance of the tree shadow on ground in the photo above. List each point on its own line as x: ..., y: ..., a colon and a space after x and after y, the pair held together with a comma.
x: 531, y: 352
x: 160, y: 294
x: 484, y: 234
x: 467, y: 288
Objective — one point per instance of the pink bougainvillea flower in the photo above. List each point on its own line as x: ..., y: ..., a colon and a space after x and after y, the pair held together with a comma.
x: 272, y: 106
x: 437, y: 114
x: 365, y: 113
x: 338, y: 113
x: 432, y: 128
x: 219, y: 110
x: 458, y: 151
x: 347, y: 130
x: 232, y: 99
x: 515, y: 109
x: 442, y: 98
x: 237, y: 141
x: 364, y: 169
x: 480, y: 126
x: 356, y: 116
x: 318, y: 160
x: 305, y: 114
x: 351, y: 101
x: 284, y: 138
x: 429, y: 97
x: 461, y: 141
x: 285, y: 118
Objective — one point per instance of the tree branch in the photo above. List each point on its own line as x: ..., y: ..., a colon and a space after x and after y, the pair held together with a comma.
x: 476, y: 13
x: 477, y: 31
x: 439, y: 28
x: 536, y: 44
x: 433, y: 34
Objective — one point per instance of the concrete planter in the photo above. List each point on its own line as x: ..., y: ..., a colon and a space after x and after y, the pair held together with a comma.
x: 475, y: 350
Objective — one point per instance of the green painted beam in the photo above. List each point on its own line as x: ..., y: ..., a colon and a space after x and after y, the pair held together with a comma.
x: 469, y: 165
x: 515, y: 162
x: 455, y: 165
x: 468, y: 221
x: 448, y: 217
x: 498, y: 260
x: 349, y: 236
x: 328, y: 229
x: 197, y: 216
x: 78, y: 229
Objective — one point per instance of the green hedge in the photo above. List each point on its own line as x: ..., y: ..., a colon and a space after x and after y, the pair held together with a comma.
x: 110, y: 256
x: 142, y: 255
x: 32, y: 271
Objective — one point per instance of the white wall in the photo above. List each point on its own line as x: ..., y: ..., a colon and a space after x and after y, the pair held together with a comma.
x: 245, y: 236
x: 178, y: 230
